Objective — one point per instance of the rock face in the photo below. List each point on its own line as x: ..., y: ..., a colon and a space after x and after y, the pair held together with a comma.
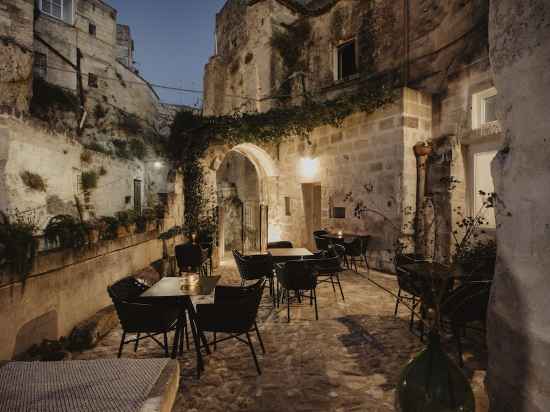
x: 518, y: 331
x: 16, y: 19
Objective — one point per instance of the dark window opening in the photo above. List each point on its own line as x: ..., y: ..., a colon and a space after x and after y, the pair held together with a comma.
x: 347, y: 64
x: 92, y: 80
x: 287, y: 206
x: 339, y: 213
x: 92, y: 29
x: 40, y: 67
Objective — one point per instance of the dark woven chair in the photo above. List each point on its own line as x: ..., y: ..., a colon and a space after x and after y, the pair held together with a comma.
x: 298, y: 276
x: 146, y: 318
x: 356, y: 251
x: 255, y: 267
x: 321, y: 243
x: 234, y: 313
x: 191, y: 257
x: 410, y: 286
x: 320, y: 233
x: 283, y: 244
x: 465, y: 305
x: 209, y: 248
x: 329, y: 267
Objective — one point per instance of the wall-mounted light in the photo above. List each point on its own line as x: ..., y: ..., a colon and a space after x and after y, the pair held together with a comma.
x: 308, y: 170
x: 158, y: 165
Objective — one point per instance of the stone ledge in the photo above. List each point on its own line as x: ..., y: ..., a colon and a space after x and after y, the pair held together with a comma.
x: 163, y: 395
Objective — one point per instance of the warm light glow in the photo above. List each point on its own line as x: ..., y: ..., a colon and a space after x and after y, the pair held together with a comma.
x: 340, y: 233
x: 309, y: 169
x: 274, y: 233
x: 158, y: 165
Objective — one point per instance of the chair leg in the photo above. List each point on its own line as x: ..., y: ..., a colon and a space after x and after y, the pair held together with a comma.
x: 166, y: 344
x: 253, y: 353
x: 259, y: 337
x: 121, y: 344
x: 411, y: 323
x: 315, y: 301
x: 366, y: 264
x: 214, y: 345
x: 397, y: 300
x: 456, y: 333
x: 340, y: 286
x: 288, y: 306
x: 137, y: 342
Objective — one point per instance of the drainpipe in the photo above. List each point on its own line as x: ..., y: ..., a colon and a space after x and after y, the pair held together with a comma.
x: 421, y: 152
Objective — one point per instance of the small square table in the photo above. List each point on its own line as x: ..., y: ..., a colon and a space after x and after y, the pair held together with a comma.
x: 175, y: 288
x: 296, y: 253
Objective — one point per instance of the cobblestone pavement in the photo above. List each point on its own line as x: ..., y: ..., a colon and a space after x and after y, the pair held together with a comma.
x: 348, y: 360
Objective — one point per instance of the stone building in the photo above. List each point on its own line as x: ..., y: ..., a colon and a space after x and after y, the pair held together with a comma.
x: 439, y: 52
x: 83, y: 106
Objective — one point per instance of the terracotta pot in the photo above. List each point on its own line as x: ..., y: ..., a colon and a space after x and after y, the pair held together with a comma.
x: 131, y: 228
x: 121, y: 232
x: 421, y: 149
x: 151, y: 226
x: 93, y: 236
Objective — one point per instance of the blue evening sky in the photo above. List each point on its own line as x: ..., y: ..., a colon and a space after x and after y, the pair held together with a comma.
x: 173, y: 41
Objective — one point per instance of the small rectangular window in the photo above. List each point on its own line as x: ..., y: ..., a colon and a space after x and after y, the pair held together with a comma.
x: 40, y: 66
x: 52, y: 8
x: 347, y: 60
x: 484, y: 108
x: 92, y: 29
x: 339, y: 213
x: 288, y: 211
x: 92, y: 80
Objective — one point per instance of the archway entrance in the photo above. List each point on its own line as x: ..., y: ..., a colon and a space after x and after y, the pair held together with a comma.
x: 242, y: 185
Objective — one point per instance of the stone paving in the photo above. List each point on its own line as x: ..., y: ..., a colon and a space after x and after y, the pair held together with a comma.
x: 348, y: 360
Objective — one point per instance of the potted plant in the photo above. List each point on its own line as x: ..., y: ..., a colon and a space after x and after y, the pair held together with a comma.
x: 65, y: 232
x: 150, y: 217
x: 131, y: 224
x: 94, y: 228
x: 111, y: 227
x: 123, y: 218
x: 18, y: 243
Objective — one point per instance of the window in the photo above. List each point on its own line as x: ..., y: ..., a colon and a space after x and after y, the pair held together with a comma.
x: 92, y: 29
x: 92, y: 80
x: 287, y: 206
x: 40, y: 66
x: 346, y: 60
x: 480, y: 181
x: 484, y: 108
x: 52, y: 8
x: 339, y: 213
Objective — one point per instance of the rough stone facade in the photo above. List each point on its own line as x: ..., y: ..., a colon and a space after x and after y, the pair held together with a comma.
x: 369, y: 160
x: 518, y: 335
x: 16, y: 44
x: 125, y: 46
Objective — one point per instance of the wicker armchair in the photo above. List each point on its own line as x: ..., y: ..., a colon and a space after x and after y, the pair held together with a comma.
x: 192, y: 257
x: 298, y: 276
x: 283, y: 244
x: 234, y: 313
x: 140, y: 317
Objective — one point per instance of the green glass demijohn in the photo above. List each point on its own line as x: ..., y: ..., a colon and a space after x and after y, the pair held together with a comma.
x: 432, y: 382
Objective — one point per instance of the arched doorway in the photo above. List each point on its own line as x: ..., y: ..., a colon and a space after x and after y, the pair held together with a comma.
x: 242, y: 181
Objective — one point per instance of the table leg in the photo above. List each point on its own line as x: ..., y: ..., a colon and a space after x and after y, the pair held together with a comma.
x: 177, y: 335
x: 193, y: 319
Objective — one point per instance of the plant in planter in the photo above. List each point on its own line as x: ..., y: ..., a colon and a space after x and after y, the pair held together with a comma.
x: 65, y: 232
x: 127, y: 220
x: 111, y: 226
x: 18, y: 243
x: 133, y: 216
x: 94, y: 228
x: 89, y: 180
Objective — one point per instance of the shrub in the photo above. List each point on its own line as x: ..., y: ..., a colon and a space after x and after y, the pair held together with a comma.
x: 130, y: 123
x: 121, y: 148
x: 65, y: 232
x: 46, y: 96
x: 86, y: 156
x: 18, y: 244
x: 137, y: 149
x: 33, y: 181
x: 99, y: 112
x: 97, y: 147
x: 89, y: 180
x: 110, y: 225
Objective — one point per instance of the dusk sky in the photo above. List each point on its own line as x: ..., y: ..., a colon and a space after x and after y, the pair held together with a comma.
x: 173, y: 40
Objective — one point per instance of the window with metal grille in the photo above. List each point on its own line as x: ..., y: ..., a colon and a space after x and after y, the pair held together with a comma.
x: 92, y: 80
x: 92, y: 29
x: 40, y: 66
x: 52, y: 8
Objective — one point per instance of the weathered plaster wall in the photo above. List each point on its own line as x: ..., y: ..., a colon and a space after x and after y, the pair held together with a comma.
x: 68, y: 287
x: 16, y: 19
x: 518, y: 328
x: 26, y: 148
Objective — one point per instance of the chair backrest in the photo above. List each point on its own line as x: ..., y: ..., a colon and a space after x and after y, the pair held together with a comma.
x: 283, y: 244
x: 298, y: 275
x: 321, y: 243
x: 468, y: 303
x: 253, y: 266
x: 336, y: 250
x: 319, y: 233
x: 127, y: 289
x: 188, y: 256
x: 355, y: 247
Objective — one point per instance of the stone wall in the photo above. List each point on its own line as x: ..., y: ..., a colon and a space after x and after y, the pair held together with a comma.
x: 27, y: 148
x: 16, y: 20
x: 518, y: 328
x: 68, y: 287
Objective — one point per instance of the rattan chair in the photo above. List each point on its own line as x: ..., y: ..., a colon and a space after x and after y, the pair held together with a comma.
x: 234, y: 313
x: 298, y: 276
x: 191, y: 257
x: 356, y: 251
x: 282, y: 244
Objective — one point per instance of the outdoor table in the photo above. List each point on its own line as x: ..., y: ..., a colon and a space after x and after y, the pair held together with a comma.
x: 283, y: 255
x: 345, y: 237
x: 175, y: 288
